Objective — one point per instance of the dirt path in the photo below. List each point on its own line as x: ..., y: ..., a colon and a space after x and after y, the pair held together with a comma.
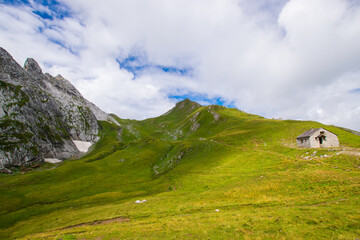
x: 98, y: 222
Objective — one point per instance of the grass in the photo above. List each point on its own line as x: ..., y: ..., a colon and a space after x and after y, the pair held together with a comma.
x: 245, y: 166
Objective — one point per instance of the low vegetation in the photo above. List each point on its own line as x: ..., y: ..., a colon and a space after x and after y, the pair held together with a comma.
x: 205, y: 172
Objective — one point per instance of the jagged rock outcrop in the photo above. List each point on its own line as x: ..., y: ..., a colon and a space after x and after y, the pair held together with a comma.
x: 40, y: 114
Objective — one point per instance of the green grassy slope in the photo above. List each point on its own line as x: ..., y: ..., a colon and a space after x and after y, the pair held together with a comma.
x: 187, y: 163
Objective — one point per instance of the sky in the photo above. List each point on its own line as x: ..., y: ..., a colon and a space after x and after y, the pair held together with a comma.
x: 289, y: 59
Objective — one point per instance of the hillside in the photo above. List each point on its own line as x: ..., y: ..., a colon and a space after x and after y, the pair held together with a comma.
x: 206, y: 172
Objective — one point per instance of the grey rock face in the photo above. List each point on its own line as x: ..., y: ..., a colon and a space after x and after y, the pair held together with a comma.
x: 40, y: 114
x: 80, y: 119
x: 32, y: 66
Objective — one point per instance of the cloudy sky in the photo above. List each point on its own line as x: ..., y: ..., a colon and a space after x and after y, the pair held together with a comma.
x: 290, y: 59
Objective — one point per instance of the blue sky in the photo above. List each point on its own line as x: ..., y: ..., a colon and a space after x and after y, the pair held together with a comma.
x: 294, y: 59
x: 139, y: 65
x: 49, y: 9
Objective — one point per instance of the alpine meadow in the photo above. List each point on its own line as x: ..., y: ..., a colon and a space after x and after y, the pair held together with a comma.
x: 181, y: 119
x: 206, y: 172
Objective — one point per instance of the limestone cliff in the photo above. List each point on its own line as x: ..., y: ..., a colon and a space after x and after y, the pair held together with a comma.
x: 41, y: 115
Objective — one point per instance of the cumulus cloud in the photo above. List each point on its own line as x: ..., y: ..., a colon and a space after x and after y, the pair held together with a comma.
x: 294, y: 59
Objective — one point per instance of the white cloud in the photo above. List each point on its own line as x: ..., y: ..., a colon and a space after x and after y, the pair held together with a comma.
x: 292, y: 59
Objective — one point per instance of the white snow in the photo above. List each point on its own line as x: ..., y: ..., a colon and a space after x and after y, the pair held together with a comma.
x: 52, y: 160
x: 138, y: 201
x: 82, y: 146
x: 217, y: 210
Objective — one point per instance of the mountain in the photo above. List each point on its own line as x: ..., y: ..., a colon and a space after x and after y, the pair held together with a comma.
x: 41, y: 115
x: 206, y: 172
x: 195, y: 172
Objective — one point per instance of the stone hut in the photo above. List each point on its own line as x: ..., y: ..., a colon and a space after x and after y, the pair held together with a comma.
x: 319, y: 137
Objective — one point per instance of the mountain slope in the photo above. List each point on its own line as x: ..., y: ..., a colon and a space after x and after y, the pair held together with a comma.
x: 247, y: 167
x: 41, y: 115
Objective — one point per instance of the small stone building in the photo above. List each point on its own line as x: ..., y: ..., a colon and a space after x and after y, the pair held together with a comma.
x: 315, y: 138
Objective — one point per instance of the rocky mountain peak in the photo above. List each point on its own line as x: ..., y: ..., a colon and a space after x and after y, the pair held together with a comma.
x: 41, y: 116
x: 4, y: 53
x: 185, y: 106
x: 7, y: 63
x: 187, y: 103
x: 59, y: 77
x: 32, y: 66
x: 64, y: 85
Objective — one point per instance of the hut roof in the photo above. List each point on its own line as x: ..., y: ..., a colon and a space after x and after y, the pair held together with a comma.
x: 308, y: 133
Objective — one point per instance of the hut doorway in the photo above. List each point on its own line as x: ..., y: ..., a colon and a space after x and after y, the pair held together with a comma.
x: 321, y: 137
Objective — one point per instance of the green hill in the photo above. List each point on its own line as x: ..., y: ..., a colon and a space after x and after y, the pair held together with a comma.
x: 206, y: 172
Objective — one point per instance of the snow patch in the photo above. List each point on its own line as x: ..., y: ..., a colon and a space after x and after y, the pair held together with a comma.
x: 82, y: 146
x: 52, y: 160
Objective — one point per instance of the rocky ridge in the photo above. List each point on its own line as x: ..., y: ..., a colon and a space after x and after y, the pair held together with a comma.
x: 41, y: 115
